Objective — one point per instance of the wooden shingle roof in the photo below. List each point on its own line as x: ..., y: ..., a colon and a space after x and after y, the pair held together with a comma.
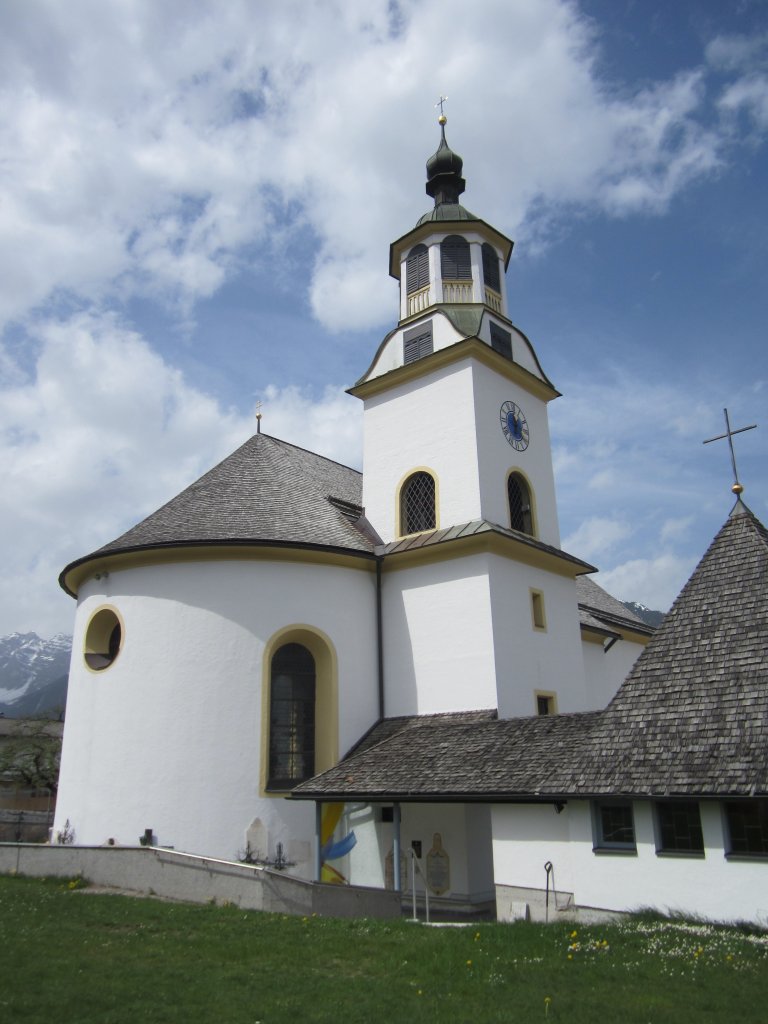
x: 266, y: 492
x: 691, y: 719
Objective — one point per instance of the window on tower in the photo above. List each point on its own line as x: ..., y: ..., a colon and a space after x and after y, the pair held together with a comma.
x: 417, y: 503
x: 455, y: 263
x: 417, y: 343
x: 491, y: 274
x: 519, y: 496
x: 417, y: 269
x: 291, y: 717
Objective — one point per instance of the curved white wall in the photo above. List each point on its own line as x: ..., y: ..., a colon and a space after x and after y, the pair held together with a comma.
x: 169, y: 736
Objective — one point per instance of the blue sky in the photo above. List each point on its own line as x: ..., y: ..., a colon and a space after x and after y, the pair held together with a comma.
x: 196, y: 206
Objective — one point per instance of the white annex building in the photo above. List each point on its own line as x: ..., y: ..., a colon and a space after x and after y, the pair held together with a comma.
x: 299, y: 664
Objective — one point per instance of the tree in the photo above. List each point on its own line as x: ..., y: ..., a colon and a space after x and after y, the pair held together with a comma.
x: 30, y: 755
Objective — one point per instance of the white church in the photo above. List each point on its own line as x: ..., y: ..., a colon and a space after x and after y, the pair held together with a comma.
x: 307, y: 666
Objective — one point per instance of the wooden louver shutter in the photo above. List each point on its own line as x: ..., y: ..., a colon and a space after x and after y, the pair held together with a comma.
x: 455, y: 264
x: 417, y: 343
x: 501, y: 341
x: 491, y: 274
x: 417, y: 269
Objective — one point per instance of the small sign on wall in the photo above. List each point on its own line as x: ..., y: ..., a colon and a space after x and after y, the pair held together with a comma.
x: 438, y: 867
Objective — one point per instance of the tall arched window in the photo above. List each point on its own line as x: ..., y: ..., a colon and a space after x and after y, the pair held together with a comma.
x: 291, y: 717
x: 519, y: 495
x: 417, y: 269
x: 491, y: 274
x: 455, y: 264
x: 417, y: 503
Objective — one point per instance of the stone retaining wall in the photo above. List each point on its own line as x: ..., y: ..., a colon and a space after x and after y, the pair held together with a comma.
x: 183, y: 876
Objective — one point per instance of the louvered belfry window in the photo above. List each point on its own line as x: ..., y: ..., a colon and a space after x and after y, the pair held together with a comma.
x: 520, y: 517
x: 501, y: 340
x: 417, y: 343
x: 291, y: 717
x: 491, y: 274
x: 417, y: 269
x: 455, y: 264
x: 417, y: 504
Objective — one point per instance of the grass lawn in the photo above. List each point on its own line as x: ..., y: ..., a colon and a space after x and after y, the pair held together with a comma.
x: 73, y: 957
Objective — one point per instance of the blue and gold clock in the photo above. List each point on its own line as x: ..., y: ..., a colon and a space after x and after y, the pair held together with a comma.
x: 514, y: 426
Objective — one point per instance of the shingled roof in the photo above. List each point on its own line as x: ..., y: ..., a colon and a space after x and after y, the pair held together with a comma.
x: 268, y: 491
x: 691, y: 719
x: 600, y: 611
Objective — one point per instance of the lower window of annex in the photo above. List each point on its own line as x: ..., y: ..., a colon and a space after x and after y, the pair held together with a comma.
x: 613, y: 826
x: 678, y: 827
x: 746, y: 827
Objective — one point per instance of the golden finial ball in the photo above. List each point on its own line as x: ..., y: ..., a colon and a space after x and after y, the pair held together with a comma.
x: 442, y: 119
x: 737, y: 488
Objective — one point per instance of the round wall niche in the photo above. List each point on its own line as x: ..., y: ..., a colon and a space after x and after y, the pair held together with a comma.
x: 103, y: 639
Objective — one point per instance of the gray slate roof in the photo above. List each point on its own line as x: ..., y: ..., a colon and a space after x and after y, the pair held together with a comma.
x: 599, y: 610
x: 268, y: 491
x: 691, y: 719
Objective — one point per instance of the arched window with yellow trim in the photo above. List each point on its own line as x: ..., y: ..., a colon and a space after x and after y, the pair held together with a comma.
x: 417, y: 503
x: 520, y: 510
x: 291, y: 717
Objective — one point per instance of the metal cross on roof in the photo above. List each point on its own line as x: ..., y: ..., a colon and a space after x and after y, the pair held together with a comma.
x: 440, y: 103
x: 736, y: 488
x: 258, y: 417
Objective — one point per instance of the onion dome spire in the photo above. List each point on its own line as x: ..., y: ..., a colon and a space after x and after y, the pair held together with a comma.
x: 444, y: 181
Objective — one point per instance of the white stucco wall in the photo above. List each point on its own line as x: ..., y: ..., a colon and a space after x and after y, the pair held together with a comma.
x: 438, y: 639
x: 525, y: 837
x: 449, y: 422
x: 605, y: 671
x: 169, y: 736
x: 529, y: 659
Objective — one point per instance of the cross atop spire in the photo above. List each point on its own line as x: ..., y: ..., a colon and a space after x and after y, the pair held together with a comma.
x: 736, y: 487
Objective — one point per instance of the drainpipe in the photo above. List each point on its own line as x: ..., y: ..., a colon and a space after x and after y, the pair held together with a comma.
x: 379, y: 638
x: 318, y: 840
x: 396, y: 877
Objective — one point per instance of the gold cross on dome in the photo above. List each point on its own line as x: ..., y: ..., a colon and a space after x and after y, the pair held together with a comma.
x: 737, y: 487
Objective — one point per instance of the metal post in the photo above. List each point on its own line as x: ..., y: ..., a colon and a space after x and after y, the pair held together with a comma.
x: 318, y: 841
x: 398, y: 882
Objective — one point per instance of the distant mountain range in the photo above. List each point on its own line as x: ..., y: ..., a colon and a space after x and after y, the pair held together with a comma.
x: 34, y: 672
x: 33, y: 675
x: 646, y: 614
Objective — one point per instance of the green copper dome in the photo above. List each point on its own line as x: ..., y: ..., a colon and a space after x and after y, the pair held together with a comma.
x: 445, y: 183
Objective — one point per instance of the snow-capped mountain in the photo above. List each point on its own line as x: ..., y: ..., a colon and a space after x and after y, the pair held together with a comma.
x: 33, y: 674
x: 648, y: 615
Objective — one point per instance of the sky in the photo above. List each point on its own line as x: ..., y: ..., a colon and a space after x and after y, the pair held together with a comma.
x: 196, y: 205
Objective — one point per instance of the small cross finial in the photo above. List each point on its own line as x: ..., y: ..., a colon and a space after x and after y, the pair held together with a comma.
x: 258, y: 417
x: 736, y: 487
x: 442, y: 119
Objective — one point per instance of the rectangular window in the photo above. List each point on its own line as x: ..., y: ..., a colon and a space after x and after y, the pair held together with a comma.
x: 613, y: 825
x: 678, y: 827
x: 538, y: 616
x: 545, y: 703
x: 417, y: 343
x: 747, y: 822
x: 501, y: 341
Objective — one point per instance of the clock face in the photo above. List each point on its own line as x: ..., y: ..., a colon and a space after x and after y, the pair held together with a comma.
x: 514, y: 426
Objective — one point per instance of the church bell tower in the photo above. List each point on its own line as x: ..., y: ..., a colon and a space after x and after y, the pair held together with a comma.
x: 455, y: 398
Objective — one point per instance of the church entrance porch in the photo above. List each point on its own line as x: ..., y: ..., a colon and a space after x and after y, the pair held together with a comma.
x: 443, y: 848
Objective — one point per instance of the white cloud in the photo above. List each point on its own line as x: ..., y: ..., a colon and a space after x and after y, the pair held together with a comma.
x: 103, y: 434
x: 148, y: 146
x: 596, y: 536
x: 673, y: 529
x: 654, y: 582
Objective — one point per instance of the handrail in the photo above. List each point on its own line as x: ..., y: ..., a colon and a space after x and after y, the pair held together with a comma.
x: 415, y: 866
